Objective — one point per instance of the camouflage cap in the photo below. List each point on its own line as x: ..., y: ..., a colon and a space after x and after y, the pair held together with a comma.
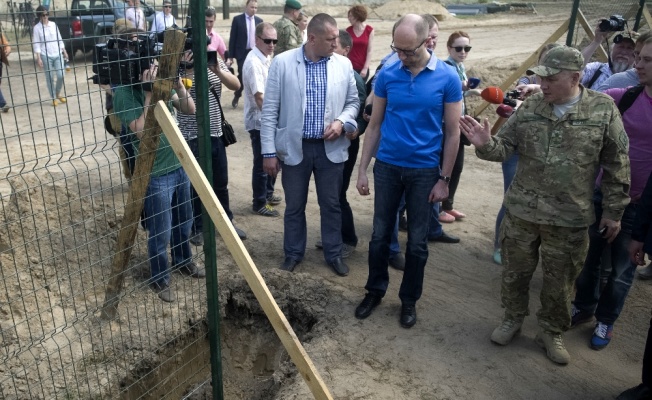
x: 294, y: 4
x: 558, y: 59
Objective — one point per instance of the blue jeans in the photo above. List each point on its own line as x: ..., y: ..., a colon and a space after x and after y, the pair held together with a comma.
x: 169, y: 212
x: 261, y: 183
x: 608, y: 304
x: 435, y: 229
x: 53, y: 65
x: 219, y: 181
x: 390, y: 182
x: 328, y: 181
x: 509, y: 170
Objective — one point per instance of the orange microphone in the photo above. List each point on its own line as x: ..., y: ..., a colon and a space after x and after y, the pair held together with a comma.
x: 493, y: 95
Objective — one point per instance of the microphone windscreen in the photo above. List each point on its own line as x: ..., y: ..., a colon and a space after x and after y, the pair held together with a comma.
x: 504, y: 111
x: 493, y: 95
x: 474, y: 83
x: 350, y: 127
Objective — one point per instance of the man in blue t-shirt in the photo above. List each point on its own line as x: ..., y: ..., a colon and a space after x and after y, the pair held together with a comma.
x: 412, y: 99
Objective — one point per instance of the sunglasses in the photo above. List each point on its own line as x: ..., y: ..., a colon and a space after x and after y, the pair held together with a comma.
x: 268, y: 41
x: 460, y: 48
x: 408, y: 53
x: 167, y: 6
x: 45, y: 15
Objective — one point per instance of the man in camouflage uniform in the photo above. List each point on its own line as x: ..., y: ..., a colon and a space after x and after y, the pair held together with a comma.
x: 563, y: 135
x: 289, y: 36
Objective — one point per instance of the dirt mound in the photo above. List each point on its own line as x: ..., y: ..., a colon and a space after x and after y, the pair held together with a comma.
x: 397, y: 9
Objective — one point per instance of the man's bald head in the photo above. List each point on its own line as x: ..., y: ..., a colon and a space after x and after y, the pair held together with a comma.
x: 412, y: 25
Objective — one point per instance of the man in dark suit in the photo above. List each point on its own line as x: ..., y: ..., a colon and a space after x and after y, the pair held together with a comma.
x: 241, y: 40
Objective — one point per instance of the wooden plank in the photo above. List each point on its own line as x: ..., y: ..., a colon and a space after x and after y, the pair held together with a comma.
x: 526, y: 64
x: 647, y: 17
x: 167, y: 70
x: 241, y: 256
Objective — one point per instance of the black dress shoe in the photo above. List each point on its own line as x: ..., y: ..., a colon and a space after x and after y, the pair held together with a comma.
x: 289, y: 264
x: 339, y: 267
x: 640, y: 392
x: 368, y: 304
x: 234, y: 103
x: 444, y: 238
x: 408, y: 315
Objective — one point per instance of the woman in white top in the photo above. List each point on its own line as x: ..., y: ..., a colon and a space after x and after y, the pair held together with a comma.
x: 164, y: 19
x: 50, y: 54
x: 302, y: 24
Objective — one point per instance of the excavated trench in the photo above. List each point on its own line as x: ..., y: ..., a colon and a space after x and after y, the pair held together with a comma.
x: 254, y: 362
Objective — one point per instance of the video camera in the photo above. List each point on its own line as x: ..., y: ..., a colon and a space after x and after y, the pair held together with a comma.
x: 511, y: 96
x: 122, y: 61
x: 615, y: 23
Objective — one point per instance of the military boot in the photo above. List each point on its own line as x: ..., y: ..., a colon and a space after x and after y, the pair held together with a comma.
x: 506, y: 331
x: 554, y: 345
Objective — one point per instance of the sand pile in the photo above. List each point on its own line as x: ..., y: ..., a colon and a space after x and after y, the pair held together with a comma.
x: 396, y: 9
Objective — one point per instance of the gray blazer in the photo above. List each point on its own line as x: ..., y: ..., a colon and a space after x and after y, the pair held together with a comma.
x: 284, y: 106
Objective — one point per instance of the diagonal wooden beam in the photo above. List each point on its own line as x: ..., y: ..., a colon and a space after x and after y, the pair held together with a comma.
x: 241, y: 256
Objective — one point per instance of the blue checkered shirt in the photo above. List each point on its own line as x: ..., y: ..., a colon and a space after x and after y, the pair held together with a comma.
x: 316, y: 81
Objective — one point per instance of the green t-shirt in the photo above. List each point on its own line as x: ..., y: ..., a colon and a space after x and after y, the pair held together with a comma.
x: 128, y: 106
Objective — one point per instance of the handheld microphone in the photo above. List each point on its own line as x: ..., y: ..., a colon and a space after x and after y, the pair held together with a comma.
x: 504, y: 111
x: 474, y: 83
x: 350, y: 127
x: 493, y: 95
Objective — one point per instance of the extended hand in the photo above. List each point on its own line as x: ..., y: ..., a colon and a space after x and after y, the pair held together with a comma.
x: 478, y: 135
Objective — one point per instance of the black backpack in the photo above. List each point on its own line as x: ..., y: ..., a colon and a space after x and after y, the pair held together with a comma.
x: 629, y: 97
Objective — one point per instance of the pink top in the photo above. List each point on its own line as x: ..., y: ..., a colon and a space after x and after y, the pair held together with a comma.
x: 358, y: 54
x: 637, y: 120
x: 217, y: 43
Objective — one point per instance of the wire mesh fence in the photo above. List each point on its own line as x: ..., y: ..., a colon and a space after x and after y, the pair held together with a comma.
x: 63, y: 194
x: 597, y: 10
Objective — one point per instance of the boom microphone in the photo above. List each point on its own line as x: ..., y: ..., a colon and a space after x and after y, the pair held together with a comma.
x: 504, y: 111
x: 493, y: 95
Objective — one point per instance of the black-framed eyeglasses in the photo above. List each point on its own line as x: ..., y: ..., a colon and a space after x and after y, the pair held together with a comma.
x: 408, y: 53
x: 460, y: 48
x: 268, y: 41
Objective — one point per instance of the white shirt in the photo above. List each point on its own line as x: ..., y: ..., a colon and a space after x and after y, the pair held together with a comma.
x: 47, y: 39
x: 162, y: 22
x: 251, y: 41
x: 136, y: 16
x: 254, y: 77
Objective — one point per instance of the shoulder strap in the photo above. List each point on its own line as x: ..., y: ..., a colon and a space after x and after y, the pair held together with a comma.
x: 629, y: 97
x: 219, y: 103
x: 594, y: 78
x: 449, y: 62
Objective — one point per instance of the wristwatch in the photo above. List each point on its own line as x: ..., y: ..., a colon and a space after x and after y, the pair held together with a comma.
x: 446, y: 179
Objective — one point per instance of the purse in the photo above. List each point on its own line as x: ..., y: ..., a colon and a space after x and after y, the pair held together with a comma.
x: 228, y: 133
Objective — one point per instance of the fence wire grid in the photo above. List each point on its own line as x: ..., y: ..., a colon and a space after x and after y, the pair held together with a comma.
x: 63, y: 193
x: 596, y: 10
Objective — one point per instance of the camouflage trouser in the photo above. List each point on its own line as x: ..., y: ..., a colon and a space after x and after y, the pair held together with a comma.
x: 562, y: 251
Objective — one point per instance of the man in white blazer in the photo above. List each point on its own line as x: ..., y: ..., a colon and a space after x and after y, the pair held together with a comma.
x: 310, y: 94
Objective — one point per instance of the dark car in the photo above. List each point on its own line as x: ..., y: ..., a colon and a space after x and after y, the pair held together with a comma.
x: 88, y: 21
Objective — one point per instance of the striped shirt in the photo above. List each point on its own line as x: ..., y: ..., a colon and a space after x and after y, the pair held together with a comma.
x: 188, y: 123
x: 316, y: 83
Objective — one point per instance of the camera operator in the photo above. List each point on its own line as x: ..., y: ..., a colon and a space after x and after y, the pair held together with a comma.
x: 217, y: 74
x: 168, y: 212
x: 620, y: 59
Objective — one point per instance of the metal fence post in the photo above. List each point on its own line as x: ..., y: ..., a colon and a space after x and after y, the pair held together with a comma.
x: 571, y: 24
x: 210, y: 248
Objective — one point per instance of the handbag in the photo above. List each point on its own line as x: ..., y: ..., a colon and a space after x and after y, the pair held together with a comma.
x: 228, y: 133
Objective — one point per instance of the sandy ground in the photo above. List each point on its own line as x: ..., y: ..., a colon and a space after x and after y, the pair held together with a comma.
x: 447, y: 355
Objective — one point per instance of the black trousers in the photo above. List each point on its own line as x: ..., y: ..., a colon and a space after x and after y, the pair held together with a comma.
x: 447, y: 204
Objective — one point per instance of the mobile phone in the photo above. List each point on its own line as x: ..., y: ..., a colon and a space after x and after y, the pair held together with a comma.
x: 211, y: 58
